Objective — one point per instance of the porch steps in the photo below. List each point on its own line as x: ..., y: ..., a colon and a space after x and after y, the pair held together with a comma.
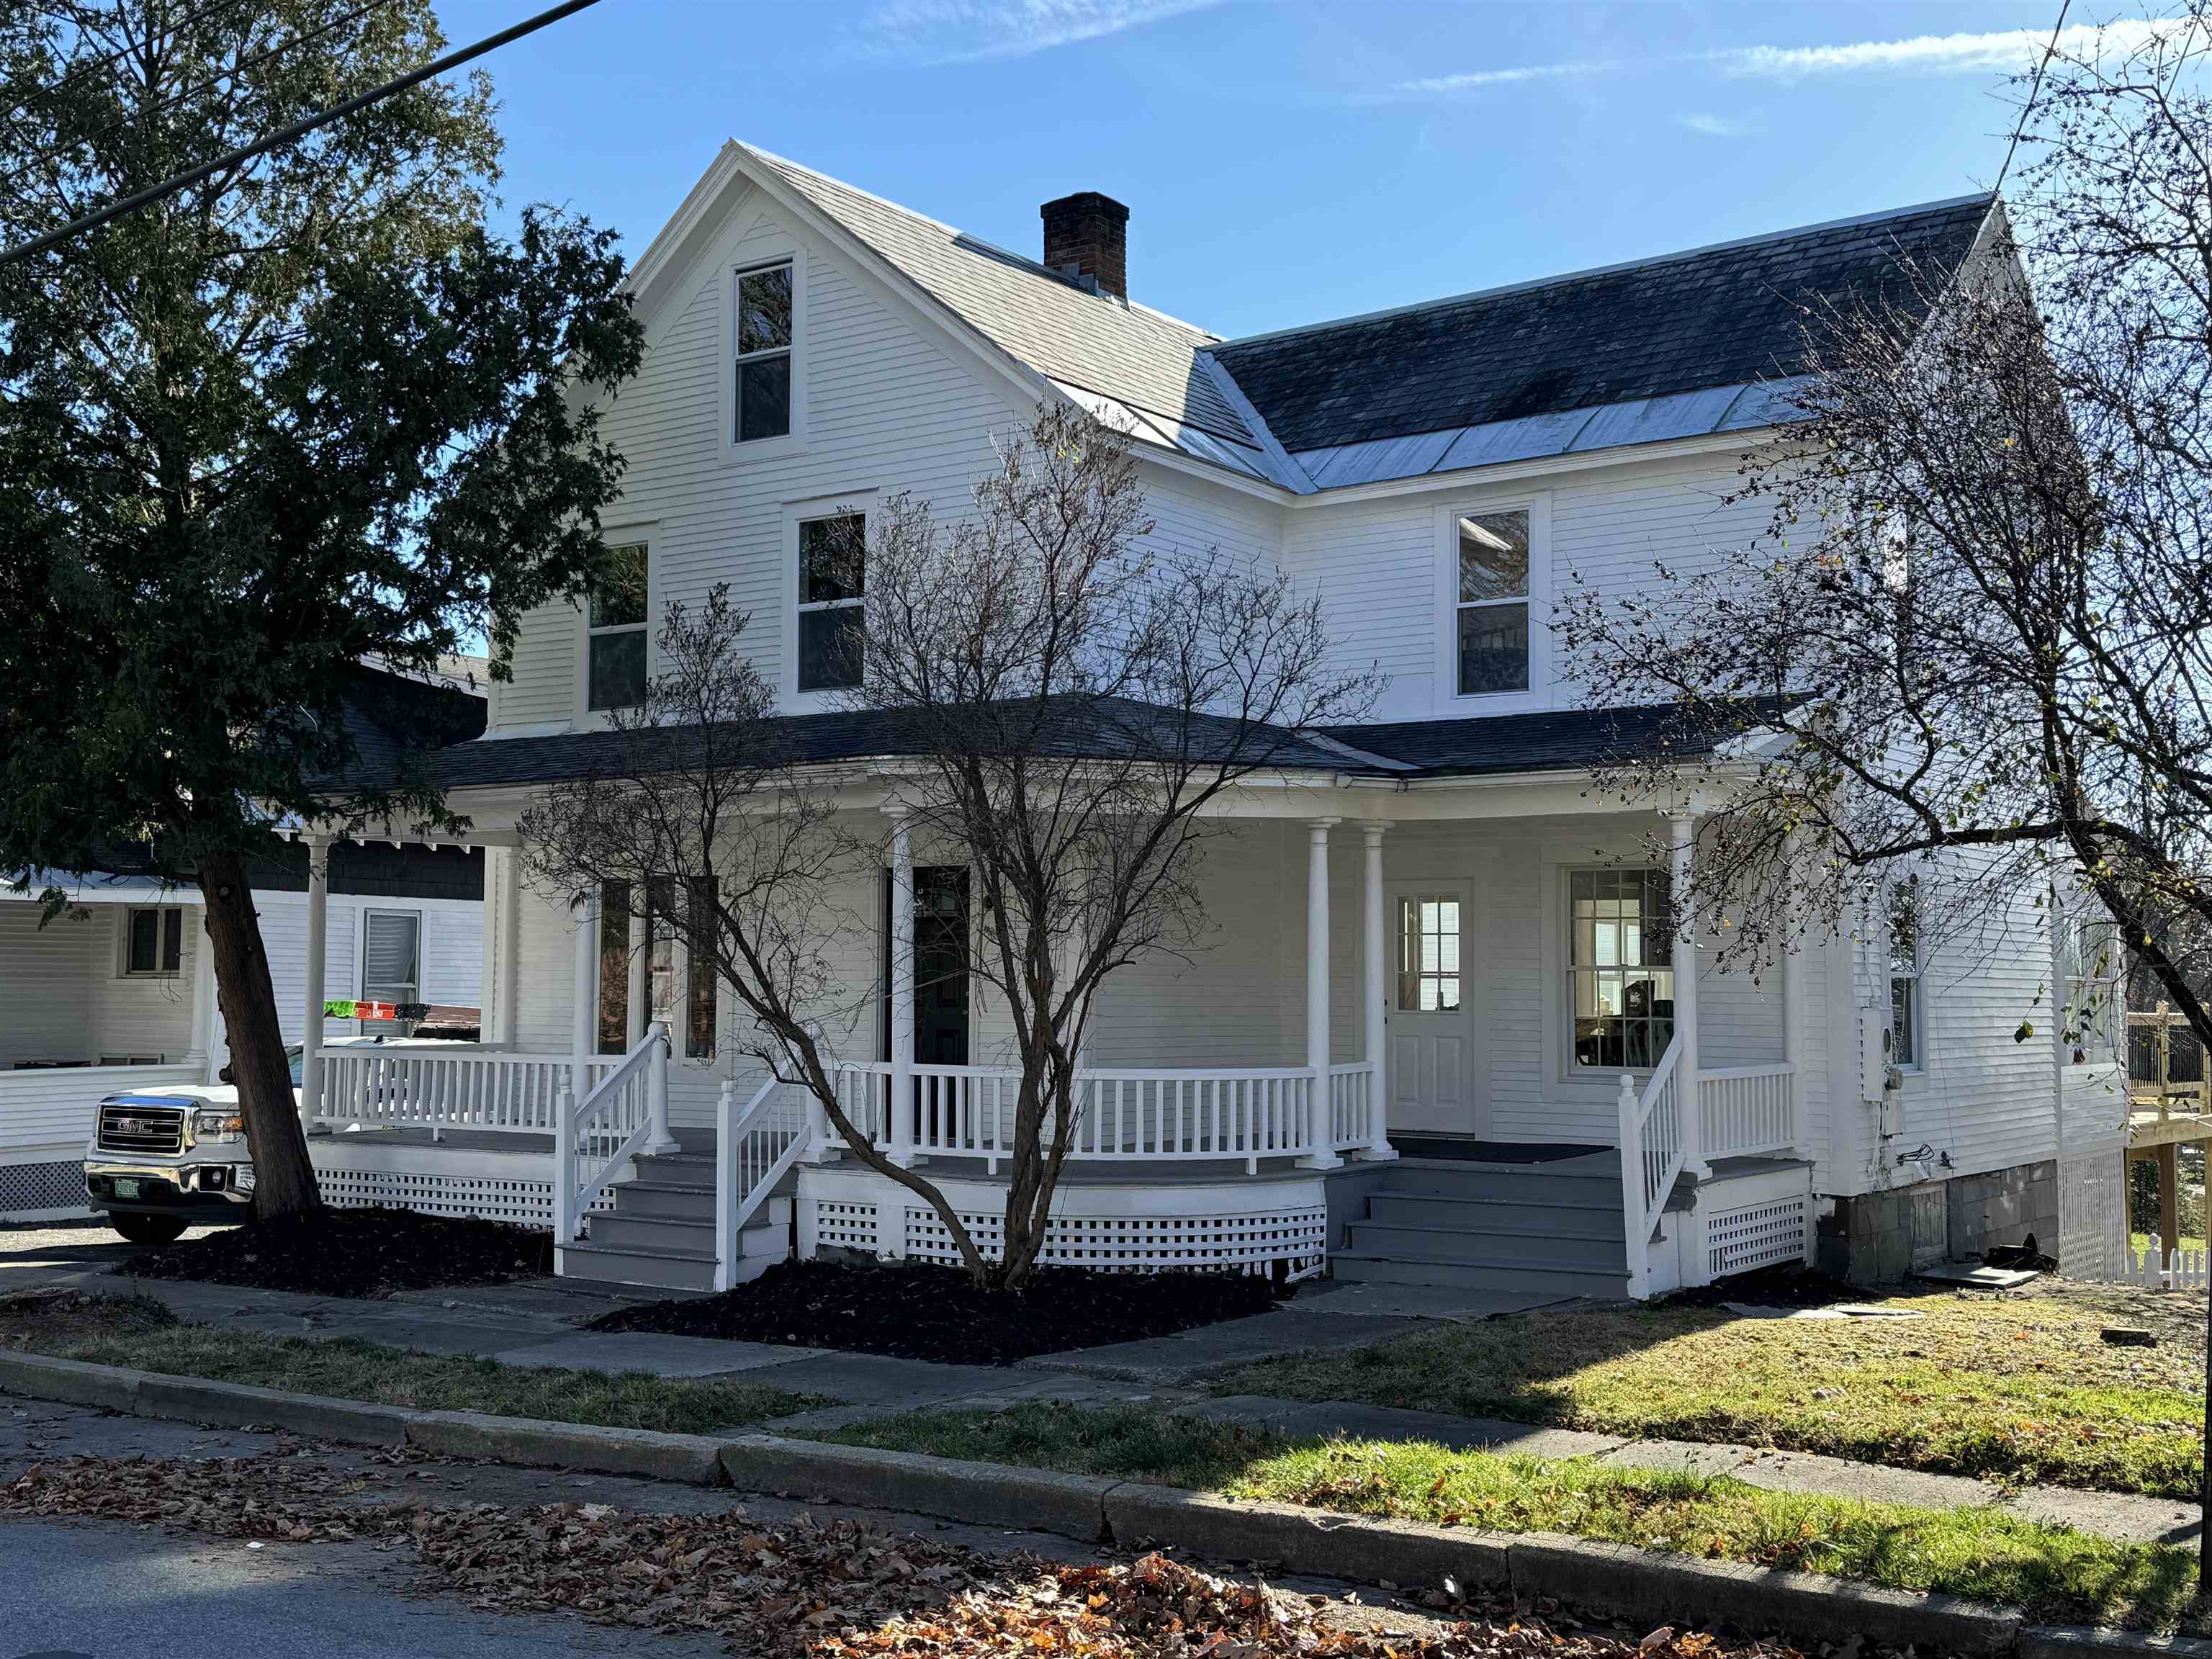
x: 1547, y: 1229
x: 660, y: 1234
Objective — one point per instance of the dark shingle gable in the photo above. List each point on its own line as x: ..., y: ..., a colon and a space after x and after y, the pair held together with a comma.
x: 1723, y: 316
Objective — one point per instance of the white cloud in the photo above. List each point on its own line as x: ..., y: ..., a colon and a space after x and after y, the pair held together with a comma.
x: 2000, y: 52
x: 1712, y: 127
x: 2003, y: 51
x: 961, y: 31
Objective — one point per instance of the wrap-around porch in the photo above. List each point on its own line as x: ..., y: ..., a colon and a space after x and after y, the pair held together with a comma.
x: 660, y: 1155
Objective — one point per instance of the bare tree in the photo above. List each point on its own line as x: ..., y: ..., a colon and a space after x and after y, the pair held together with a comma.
x: 1055, y: 700
x: 1079, y: 703
x: 1983, y: 614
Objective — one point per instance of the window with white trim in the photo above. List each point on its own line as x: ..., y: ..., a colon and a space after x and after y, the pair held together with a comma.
x: 153, y: 942
x: 674, y: 984
x: 391, y: 956
x: 1491, y: 626
x: 1908, y: 967
x: 614, y: 671
x: 1620, y: 968
x: 833, y: 564
x: 1428, y: 953
x: 763, y: 339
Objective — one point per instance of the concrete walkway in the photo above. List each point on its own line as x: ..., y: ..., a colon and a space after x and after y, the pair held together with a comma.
x: 536, y: 1323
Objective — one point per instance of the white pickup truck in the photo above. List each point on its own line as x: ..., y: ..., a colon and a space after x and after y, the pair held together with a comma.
x: 162, y: 1160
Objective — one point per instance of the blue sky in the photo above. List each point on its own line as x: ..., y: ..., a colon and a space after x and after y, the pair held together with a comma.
x: 1283, y: 161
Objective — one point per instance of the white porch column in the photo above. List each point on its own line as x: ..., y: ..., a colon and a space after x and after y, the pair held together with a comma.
x: 1685, y: 997
x: 506, y: 989
x: 1320, y: 1150
x: 1375, y: 1000
x: 202, y: 1053
x: 584, y: 1028
x: 318, y: 934
x: 1793, y: 1000
x: 899, y: 1109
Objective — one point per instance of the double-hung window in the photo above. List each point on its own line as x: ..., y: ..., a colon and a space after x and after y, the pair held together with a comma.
x: 153, y: 942
x: 391, y: 958
x: 614, y: 668
x: 1907, y: 968
x: 833, y: 560
x: 1620, y: 967
x: 1493, y: 621
x: 763, y: 357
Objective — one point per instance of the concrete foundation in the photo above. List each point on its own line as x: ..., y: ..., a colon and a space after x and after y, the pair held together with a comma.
x: 1873, y: 1238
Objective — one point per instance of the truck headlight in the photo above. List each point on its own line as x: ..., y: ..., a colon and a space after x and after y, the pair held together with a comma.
x: 218, y: 1126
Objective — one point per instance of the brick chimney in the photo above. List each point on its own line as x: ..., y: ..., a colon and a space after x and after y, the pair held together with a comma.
x: 1086, y: 237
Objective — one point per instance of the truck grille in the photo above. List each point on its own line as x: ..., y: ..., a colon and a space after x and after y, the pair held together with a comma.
x: 128, y: 1127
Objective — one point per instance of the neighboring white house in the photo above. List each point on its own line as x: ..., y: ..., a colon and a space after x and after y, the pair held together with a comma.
x: 1433, y: 1013
x: 117, y: 991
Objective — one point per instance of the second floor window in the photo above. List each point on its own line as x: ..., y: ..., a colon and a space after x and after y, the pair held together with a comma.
x: 1492, y: 625
x: 615, y: 671
x: 833, y: 556
x: 764, y: 341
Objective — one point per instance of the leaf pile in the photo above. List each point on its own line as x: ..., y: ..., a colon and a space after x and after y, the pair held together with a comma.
x: 361, y: 1253
x: 808, y: 1589
x: 920, y: 1310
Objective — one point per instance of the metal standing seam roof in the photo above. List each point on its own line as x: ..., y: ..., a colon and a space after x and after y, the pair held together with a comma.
x: 1122, y: 353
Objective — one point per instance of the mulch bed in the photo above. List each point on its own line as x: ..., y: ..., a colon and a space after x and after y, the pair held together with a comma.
x: 1785, y: 1286
x: 362, y: 1254
x: 923, y: 1311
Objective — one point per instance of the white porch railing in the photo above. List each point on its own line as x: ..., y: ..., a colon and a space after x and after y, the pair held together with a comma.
x: 1749, y: 1110
x: 594, y: 1138
x: 387, y: 1088
x: 1122, y: 1114
x: 758, y: 1141
x: 1653, y: 1150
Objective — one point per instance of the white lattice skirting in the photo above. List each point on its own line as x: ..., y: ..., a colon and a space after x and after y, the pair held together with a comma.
x: 515, y: 1186
x: 1281, y: 1227
x: 41, y: 1192
x: 1757, y: 1235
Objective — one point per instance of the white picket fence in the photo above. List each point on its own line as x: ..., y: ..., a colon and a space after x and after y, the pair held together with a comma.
x: 2185, y: 1270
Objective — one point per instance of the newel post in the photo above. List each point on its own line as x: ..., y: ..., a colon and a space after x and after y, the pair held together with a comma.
x: 566, y: 1221
x: 659, y: 1142
x: 726, y: 1187
x: 1636, y: 1224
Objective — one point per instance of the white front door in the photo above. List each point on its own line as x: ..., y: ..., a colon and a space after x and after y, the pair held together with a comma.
x: 1432, y: 1059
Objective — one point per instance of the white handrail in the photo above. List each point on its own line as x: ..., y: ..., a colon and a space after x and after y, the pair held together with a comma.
x: 386, y: 1087
x: 755, y: 1145
x: 1653, y: 1153
x: 595, y: 1137
x: 1122, y: 1113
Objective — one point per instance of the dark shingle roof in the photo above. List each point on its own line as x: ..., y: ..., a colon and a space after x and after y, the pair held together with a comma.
x: 1724, y: 316
x: 1554, y: 740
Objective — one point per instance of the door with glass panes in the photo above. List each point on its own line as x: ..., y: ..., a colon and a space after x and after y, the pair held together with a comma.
x: 1431, y: 1048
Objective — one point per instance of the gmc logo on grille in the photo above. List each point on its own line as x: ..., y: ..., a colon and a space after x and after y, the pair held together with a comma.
x: 133, y: 1125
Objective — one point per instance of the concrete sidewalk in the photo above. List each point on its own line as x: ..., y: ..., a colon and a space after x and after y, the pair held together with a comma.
x: 536, y: 1323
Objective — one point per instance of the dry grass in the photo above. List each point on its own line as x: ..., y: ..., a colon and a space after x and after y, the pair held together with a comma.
x: 2020, y: 1389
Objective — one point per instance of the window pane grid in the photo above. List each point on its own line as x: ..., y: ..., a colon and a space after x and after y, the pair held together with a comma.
x: 1428, y: 955
x: 1620, y: 972
x: 1493, y: 593
x: 764, y: 334
x: 614, y: 671
x: 833, y: 566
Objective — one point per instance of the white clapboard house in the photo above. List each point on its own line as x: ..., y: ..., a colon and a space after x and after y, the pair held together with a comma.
x: 117, y: 992
x: 1434, y: 1040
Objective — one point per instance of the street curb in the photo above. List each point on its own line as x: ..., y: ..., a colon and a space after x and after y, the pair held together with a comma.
x: 693, y: 1459
x: 983, y: 1494
x: 1604, y: 1580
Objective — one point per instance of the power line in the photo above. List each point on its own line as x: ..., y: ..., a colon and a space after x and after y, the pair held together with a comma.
x: 2034, y: 91
x: 284, y: 135
x: 235, y: 70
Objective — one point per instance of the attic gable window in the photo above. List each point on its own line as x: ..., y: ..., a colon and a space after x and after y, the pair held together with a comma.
x: 763, y: 356
x: 1492, y: 625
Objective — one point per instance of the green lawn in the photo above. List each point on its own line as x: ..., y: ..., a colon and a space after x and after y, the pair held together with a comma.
x: 2054, y: 1572
x: 2021, y: 1389
x: 139, y: 1332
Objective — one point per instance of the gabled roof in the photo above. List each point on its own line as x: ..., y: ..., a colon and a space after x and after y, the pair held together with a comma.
x: 1094, y: 346
x: 1728, y: 316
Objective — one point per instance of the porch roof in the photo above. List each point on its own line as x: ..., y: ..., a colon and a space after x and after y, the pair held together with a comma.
x: 1547, y: 741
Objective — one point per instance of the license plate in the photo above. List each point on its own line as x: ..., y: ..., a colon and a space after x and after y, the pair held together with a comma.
x: 241, y: 1177
x: 126, y: 1188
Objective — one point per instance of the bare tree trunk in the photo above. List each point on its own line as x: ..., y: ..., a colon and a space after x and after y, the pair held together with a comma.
x: 284, y: 1177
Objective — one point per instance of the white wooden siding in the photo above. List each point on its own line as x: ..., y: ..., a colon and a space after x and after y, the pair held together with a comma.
x: 63, y: 996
